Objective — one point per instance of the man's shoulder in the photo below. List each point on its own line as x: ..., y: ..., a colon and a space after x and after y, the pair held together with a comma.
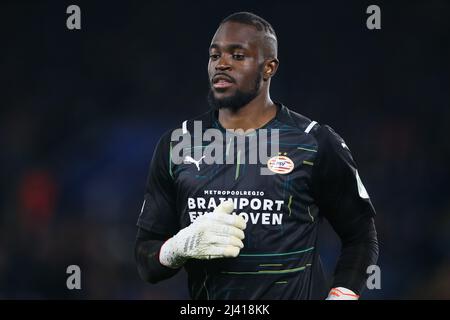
x: 323, y: 135
x: 288, y: 117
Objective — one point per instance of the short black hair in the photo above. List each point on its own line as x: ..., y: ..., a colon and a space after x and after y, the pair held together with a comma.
x: 251, y: 19
x: 259, y: 23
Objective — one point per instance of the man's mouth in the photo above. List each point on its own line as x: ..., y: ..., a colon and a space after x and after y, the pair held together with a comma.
x: 221, y: 82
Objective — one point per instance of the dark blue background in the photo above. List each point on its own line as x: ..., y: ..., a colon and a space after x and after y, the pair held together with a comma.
x: 81, y: 112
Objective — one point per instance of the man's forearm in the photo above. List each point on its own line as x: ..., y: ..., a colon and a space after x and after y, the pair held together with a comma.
x: 359, y: 250
x: 147, y: 257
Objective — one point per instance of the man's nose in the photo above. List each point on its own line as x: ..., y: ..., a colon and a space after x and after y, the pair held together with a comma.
x: 223, y: 64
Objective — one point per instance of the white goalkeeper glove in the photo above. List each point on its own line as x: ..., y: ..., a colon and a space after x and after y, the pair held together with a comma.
x: 341, y: 293
x: 216, y: 234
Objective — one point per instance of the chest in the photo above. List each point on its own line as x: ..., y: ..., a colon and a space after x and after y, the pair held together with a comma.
x: 274, y: 168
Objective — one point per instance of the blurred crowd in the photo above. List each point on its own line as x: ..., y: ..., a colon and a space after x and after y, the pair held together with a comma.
x: 81, y: 112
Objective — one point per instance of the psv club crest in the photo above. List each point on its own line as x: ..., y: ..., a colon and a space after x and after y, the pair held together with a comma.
x: 280, y: 164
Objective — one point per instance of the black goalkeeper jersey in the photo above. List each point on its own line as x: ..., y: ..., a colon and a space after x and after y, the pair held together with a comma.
x: 317, y: 179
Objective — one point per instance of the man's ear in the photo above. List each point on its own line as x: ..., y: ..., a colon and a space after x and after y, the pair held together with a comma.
x: 270, y: 68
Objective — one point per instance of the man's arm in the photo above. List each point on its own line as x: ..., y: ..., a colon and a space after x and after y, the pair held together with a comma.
x: 359, y: 250
x: 344, y: 202
x: 158, y: 218
x: 146, y: 252
x: 160, y: 244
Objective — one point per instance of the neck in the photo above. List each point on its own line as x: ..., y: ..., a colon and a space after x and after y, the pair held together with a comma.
x: 254, y: 115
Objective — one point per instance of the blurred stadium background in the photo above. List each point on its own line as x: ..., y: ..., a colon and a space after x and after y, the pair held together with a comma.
x: 81, y: 112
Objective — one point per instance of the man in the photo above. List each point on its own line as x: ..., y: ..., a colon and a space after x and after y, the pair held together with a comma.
x: 239, y: 233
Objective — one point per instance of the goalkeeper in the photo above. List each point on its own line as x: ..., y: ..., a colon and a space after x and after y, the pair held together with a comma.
x: 240, y: 234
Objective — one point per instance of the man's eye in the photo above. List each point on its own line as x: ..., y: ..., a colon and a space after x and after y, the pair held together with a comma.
x: 214, y: 56
x: 238, y: 56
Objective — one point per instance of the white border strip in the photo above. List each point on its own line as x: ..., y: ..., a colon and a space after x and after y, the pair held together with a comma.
x: 311, y: 125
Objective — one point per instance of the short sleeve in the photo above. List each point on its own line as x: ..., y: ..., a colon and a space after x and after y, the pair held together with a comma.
x: 158, y: 213
x: 338, y: 189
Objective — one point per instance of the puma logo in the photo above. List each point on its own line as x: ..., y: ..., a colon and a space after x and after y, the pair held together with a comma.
x: 189, y: 159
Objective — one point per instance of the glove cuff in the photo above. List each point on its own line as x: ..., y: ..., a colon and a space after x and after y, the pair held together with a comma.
x: 168, y: 255
x: 341, y: 293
